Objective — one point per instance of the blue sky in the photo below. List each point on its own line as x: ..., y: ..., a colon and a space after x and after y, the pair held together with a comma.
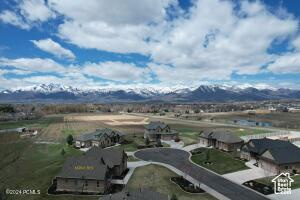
x: 147, y: 43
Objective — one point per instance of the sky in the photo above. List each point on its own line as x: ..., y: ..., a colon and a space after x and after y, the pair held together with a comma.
x: 149, y: 43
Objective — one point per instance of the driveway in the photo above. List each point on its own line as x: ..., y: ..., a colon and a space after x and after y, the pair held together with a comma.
x: 180, y: 160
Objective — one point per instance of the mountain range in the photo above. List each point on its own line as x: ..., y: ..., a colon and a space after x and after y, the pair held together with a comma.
x: 203, y: 93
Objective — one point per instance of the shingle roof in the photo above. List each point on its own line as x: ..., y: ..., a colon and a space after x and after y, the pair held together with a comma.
x: 143, y: 194
x: 83, y: 167
x: 111, y: 156
x: 206, y: 134
x: 98, y: 134
x: 222, y: 136
x: 155, y: 125
x: 260, y: 145
x: 226, y: 137
x: 93, y: 164
x: 285, y: 154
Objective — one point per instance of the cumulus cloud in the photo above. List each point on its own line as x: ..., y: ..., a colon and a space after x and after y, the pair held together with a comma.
x: 112, y: 26
x: 33, y: 64
x: 35, y: 10
x: 54, y: 48
x: 288, y: 63
x: 27, y: 13
x: 9, y: 17
x: 117, y: 71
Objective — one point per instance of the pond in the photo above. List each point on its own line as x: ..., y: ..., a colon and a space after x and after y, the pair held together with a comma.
x: 244, y: 122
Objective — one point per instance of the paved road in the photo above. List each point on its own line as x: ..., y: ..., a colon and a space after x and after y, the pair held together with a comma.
x: 180, y: 160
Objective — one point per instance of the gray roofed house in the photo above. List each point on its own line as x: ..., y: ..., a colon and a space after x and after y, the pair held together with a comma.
x: 223, y: 140
x: 91, y: 172
x: 142, y: 194
x: 101, y: 137
x: 274, y: 156
x: 159, y: 130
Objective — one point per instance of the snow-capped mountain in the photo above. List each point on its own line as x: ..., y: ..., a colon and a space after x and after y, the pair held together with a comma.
x: 221, y: 93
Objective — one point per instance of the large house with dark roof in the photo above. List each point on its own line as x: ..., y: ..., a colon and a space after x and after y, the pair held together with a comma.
x: 101, y: 137
x: 91, y: 172
x: 223, y: 140
x: 275, y: 156
x: 159, y: 130
x: 142, y: 194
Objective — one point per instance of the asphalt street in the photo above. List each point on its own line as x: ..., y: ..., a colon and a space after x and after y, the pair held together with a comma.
x: 180, y: 160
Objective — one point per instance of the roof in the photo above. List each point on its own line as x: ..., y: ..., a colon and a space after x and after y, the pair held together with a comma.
x: 143, y: 194
x: 93, y: 164
x: 111, y: 156
x: 226, y: 137
x: 155, y: 125
x: 285, y: 155
x: 260, y: 145
x: 206, y: 134
x: 98, y: 134
x: 222, y: 136
x: 83, y: 167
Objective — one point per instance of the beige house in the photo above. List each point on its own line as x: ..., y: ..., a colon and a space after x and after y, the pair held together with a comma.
x: 92, y: 172
x: 159, y: 130
x: 226, y: 141
x: 101, y: 138
x: 275, y: 156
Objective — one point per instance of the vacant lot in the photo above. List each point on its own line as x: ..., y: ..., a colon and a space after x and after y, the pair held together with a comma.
x: 158, y: 179
x: 219, y: 161
x: 113, y: 120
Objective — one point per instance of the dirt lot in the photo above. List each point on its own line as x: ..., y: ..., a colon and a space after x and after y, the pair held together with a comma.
x: 113, y: 120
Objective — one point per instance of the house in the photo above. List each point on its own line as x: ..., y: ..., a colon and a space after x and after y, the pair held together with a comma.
x: 282, y: 183
x: 142, y: 194
x: 101, y: 137
x: 22, y: 132
x: 159, y: 130
x: 223, y: 140
x: 91, y: 172
x: 275, y: 156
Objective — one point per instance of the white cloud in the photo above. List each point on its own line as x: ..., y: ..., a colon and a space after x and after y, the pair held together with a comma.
x: 33, y: 64
x: 113, y: 25
x: 9, y: 17
x: 288, y: 63
x: 117, y: 71
x: 54, y: 48
x: 35, y: 10
x: 27, y: 13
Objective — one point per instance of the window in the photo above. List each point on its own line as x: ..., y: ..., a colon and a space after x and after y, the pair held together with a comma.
x: 286, y: 167
x: 66, y: 180
x: 86, y: 183
x: 98, y: 183
x: 75, y: 182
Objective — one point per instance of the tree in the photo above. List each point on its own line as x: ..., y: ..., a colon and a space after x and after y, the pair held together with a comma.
x: 158, y: 143
x: 147, y: 141
x: 63, y: 152
x: 174, y: 197
x: 70, y: 139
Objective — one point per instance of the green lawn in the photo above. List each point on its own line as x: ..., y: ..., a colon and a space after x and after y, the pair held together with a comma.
x: 189, y: 138
x: 25, y: 165
x: 37, y: 123
x: 157, y: 178
x: 221, y: 162
x: 268, y: 181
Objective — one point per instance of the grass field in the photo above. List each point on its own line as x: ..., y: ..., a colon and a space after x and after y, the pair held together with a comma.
x: 221, y: 162
x: 268, y: 181
x: 158, y: 179
x: 25, y: 165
